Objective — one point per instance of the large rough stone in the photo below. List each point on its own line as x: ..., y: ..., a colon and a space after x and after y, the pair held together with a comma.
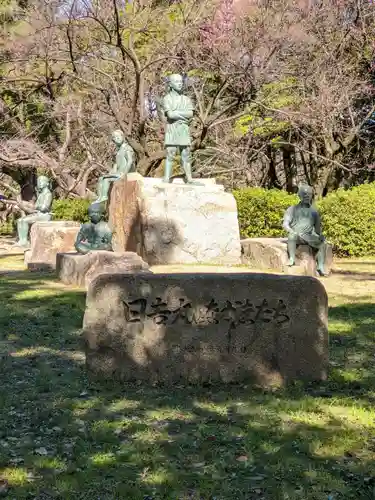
x: 272, y: 254
x: 79, y: 270
x: 174, y: 223
x: 125, y: 214
x: 47, y: 239
x: 207, y: 327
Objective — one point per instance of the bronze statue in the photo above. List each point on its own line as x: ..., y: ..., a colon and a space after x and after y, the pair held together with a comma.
x: 177, y: 111
x: 42, y: 212
x: 303, y: 225
x: 96, y: 234
x: 123, y: 165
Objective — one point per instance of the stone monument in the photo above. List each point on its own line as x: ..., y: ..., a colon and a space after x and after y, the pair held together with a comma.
x: 80, y: 269
x: 192, y: 327
x: 177, y: 112
x: 123, y: 165
x: 175, y: 223
x: 96, y: 234
x: 47, y: 239
x: 303, y: 225
x: 41, y: 213
x: 271, y: 254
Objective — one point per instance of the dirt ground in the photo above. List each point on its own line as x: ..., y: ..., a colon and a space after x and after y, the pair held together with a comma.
x: 349, y: 280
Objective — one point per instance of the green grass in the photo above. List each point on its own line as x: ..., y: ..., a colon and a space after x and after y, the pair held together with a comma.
x: 63, y: 437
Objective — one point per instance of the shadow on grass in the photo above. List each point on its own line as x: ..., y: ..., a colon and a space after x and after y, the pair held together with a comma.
x: 354, y: 262
x: 352, y: 341
x: 62, y: 436
x: 355, y: 275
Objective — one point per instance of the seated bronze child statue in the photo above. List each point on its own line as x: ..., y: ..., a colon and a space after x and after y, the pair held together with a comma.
x: 303, y: 225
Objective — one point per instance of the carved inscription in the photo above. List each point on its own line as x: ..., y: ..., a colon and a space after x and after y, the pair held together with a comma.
x: 234, y: 313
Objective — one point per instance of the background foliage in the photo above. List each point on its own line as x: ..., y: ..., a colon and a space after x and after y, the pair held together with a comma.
x: 71, y: 210
x: 349, y: 220
x: 283, y: 90
x: 260, y: 211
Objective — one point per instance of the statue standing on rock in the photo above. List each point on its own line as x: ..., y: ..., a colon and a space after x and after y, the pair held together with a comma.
x: 96, y: 234
x: 123, y: 165
x: 177, y: 110
x: 41, y: 213
x: 303, y: 225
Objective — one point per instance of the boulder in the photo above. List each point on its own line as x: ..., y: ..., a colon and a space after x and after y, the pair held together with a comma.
x: 272, y: 254
x: 175, y: 328
x: 47, y: 239
x: 174, y: 223
x: 125, y: 214
x: 79, y: 270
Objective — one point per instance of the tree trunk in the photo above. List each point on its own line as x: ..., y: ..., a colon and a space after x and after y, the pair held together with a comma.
x: 288, y: 169
x: 26, y: 179
x: 324, y: 174
x: 273, y: 180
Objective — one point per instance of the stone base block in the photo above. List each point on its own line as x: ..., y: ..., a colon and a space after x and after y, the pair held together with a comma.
x: 79, y: 270
x: 174, y: 223
x: 47, y: 239
x: 194, y: 328
x: 272, y: 254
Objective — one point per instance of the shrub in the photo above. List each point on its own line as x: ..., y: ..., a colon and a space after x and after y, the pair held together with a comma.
x: 7, y: 228
x: 348, y: 218
x: 261, y: 211
x: 71, y: 209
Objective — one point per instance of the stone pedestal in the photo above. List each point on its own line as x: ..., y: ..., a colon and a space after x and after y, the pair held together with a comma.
x: 47, y: 239
x: 79, y: 270
x: 174, y: 223
x: 173, y: 328
x: 272, y: 254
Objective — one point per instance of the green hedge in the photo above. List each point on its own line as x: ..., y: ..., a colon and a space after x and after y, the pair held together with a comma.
x: 71, y: 209
x: 7, y: 228
x: 260, y: 211
x: 348, y: 216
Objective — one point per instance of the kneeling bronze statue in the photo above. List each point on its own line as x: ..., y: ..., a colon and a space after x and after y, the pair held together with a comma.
x: 96, y: 234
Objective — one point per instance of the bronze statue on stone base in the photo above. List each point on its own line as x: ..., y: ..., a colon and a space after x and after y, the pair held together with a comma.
x: 123, y: 165
x: 177, y: 112
x: 303, y: 225
x: 42, y: 212
x: 96, y: 234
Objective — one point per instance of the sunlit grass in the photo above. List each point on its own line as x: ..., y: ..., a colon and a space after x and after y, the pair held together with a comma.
x: 64, y: 437
x: 14, y: 262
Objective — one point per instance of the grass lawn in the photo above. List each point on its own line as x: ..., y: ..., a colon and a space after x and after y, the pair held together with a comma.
x: 66, y: 438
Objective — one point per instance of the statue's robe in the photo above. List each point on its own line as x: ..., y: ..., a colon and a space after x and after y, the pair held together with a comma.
x: 304, y: 221
x: 94, y: 237
x: 125, y: 159
x: 177, y: 131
